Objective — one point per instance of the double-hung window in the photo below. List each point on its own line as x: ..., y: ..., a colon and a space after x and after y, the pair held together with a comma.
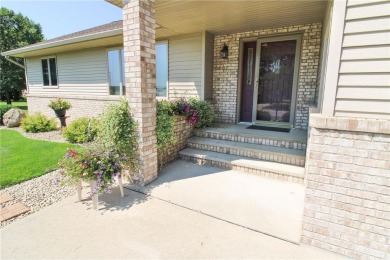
x: 49, y: 71
x: 116, y: 72
x: 161, y: 69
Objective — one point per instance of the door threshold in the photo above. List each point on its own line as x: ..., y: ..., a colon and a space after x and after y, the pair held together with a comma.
x: 245, y: 123
x: 273, y: 124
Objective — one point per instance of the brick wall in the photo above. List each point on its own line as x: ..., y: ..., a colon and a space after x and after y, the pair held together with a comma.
x: 225, y: 77
x: 81, y: 106
x: 347, y: 201
x: 182, y: 131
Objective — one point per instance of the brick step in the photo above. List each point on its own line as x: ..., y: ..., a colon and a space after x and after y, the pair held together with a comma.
x: 294, y: 140
x: 256, y: 151
x: 228, y: 161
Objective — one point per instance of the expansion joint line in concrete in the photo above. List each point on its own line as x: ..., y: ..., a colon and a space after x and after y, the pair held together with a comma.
x: 215, y: 217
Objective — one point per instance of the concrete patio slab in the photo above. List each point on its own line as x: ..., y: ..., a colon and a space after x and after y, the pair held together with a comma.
x: 267, y: 205
x: 138, y: 226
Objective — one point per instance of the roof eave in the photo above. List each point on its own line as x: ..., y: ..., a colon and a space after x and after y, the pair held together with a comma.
x: 117, y: 3
x: 18, y: 52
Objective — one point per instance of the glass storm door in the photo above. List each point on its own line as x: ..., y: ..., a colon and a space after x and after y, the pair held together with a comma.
x: 276, y: 69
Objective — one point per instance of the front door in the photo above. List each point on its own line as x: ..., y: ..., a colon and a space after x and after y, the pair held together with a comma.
x: 276, y: 76
x: 248, y: 81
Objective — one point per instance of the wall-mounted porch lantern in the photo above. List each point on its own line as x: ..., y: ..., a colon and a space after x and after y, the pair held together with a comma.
x: 224, y: 51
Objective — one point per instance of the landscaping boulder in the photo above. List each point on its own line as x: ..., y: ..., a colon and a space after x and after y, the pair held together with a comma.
x: 13, y: 117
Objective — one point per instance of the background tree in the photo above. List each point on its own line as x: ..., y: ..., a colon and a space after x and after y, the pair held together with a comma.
x: 16, y: 31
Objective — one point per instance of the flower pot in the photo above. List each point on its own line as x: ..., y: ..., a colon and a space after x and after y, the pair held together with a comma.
x: 60, y: 112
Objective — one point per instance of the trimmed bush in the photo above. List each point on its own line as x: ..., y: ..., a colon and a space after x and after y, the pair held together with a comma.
x: 81, y: 130
x: 117, y: 131
x: 205, y: 117
x: 38, y: 123
x: 3, y: 110
x: 198, y: 113
x: 165, y: 124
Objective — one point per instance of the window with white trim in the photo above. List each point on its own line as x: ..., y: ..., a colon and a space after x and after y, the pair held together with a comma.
x: 116, y: 72
x: 161, y: 69
x: 49, y: 71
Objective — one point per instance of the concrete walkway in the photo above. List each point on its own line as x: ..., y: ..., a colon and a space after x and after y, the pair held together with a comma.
x: 139, y: 226
x: 266, y: 205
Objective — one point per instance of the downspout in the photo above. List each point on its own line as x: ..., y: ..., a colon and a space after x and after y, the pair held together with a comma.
x: 25, y: 76
x: 19, y: 65
x: 14, y: 62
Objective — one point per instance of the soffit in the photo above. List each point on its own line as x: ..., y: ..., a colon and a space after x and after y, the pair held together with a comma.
x: 224, y: 17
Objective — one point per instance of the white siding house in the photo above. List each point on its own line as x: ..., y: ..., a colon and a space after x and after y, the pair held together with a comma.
x: 336, y: 53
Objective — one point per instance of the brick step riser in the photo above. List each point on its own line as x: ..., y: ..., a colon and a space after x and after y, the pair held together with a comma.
x: 262, y: 155
x: 251, y: 140
x: 229, y: 166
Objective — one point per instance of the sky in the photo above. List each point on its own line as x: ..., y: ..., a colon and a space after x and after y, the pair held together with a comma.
x: 58, y: 18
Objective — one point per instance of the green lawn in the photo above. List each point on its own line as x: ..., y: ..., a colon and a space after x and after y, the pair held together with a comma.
x: 22, y: 158
x: 19, y: 104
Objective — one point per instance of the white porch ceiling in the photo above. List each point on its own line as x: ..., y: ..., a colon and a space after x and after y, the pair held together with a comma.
x: 224, y: 17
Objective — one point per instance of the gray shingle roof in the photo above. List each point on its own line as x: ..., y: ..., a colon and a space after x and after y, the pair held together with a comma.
x: 93, y: 30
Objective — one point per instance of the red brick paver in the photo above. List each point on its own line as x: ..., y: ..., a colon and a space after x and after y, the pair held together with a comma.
x: 5, y: 197
x: 13, y: 211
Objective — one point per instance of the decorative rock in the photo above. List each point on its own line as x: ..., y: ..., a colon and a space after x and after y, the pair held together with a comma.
x: 13, y: 117
x: 37, y: 193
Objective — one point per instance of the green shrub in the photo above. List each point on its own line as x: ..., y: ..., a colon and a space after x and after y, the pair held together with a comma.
x: 198, y: 113
x: 59, y: 104
x: 117, y: 130
x: 81, y: 130
x: 205, y: 117
x: 3, y: 110
x: 38, y: 123
x: 165, y: 124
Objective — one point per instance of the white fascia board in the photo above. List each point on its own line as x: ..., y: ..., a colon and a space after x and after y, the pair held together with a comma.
x: 63, y: 42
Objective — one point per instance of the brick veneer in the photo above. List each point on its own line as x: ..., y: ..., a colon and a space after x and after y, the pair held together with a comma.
x: 182, y: 132
x: 232, y: 166
x: 225, y: 76
x: 258, y: 154
x: 347, y: 201
x: 140, y: 75
x: 252, y: 139
x: 81, y: 106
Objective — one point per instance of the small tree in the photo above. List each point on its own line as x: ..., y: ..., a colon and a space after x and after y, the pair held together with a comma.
x: 16, y: 31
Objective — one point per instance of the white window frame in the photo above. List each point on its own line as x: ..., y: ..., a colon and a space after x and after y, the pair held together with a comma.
x: 121, y: 72
x: 49, y: 69
x: 167, y: 83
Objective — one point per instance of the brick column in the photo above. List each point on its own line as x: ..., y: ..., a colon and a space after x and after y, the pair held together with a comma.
x: 139, y: 52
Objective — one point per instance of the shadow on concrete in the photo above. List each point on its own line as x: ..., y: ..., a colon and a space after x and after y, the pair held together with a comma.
x: 181, y: 170
x: 113, y: 201
x: 174, y: 172
x: 266, y: 205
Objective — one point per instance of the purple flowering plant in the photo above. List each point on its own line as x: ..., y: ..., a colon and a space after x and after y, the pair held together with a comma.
x: 92, y: 164
x: 181, y: 106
